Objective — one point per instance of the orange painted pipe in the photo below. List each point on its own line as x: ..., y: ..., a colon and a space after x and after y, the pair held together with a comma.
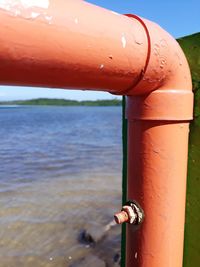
x: 158, y: 128
x: 69, y: 44
x: 73, y: 44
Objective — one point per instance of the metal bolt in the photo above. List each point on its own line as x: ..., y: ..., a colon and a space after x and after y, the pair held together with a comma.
x: 131, y: 213
x: 121, y: 217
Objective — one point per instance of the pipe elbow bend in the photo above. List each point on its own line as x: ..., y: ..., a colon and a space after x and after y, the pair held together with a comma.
x: 164, y: 91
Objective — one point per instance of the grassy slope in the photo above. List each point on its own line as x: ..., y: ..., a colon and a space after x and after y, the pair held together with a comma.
x: 191, y: 46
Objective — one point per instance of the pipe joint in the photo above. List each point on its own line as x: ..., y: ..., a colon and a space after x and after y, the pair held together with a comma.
x: 166, y: 66
x: 163, y: 105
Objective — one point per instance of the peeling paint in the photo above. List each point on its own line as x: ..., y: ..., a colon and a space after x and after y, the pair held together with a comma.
x: 36, y: 3
x: 28, y: 9
x: 48, y: 18
x: 4, y: 4
x: 136, y: 255
x: 115, y: 13
x: 8, y: 4
x: 76, y: 20
x: 123, y: 39
x: 35, y: 15
x: 17, y: 12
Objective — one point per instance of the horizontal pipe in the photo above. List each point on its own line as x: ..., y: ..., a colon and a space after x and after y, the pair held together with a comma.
x: 73, y: 44
x: 69, y: 44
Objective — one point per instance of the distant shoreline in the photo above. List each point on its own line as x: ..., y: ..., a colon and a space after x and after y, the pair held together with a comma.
x: 61, y: 102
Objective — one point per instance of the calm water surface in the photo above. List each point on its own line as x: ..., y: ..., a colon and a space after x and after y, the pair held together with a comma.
x: 60, y: 172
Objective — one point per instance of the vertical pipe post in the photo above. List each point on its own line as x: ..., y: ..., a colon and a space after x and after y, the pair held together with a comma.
x: 124, y: 179
x: 157, y: 170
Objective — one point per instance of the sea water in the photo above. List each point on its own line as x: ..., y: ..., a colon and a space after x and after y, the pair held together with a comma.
x: 60, y: 174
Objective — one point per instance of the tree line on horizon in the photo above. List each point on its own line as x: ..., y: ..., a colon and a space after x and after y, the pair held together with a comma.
x: 64, y: 102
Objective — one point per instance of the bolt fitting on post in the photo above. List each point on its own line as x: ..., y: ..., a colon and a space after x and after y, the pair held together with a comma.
x: 130, y: 213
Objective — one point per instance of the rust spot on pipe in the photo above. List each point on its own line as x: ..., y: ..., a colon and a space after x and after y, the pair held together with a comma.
x: 121, y: 217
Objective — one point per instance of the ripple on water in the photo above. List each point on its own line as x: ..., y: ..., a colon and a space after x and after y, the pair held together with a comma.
x: 60, y: 173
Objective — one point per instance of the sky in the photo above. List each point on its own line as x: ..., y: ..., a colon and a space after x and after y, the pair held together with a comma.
x: 178, y: 17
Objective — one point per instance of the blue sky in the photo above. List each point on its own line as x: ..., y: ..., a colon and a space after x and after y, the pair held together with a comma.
x: 178, y: 17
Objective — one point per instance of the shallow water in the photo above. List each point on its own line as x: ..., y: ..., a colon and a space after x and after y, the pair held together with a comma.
x: 60, y: 173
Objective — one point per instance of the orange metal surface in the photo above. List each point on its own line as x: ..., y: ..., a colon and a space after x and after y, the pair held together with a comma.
x: 73, y: 44
x: 157, y: 165
x: 158, y: 114
x: 69, y: 44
